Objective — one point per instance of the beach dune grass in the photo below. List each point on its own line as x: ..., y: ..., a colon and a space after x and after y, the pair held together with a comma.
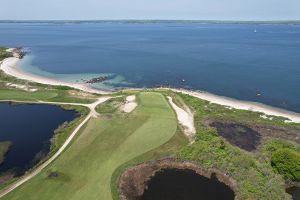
x: 42, y: 95
x: 85, y: 169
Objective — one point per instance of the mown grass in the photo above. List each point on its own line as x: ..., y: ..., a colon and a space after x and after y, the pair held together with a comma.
x: 85, y: 169
x: 169, y: 149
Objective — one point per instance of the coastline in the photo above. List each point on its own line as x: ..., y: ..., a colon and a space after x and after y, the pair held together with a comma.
x: 243, y: 105
x: 10, y: 67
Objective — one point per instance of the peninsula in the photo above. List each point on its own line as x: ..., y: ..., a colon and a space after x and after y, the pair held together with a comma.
x: 125, y: 141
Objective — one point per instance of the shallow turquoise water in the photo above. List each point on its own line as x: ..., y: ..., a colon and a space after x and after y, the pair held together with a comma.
x: 226, y: 59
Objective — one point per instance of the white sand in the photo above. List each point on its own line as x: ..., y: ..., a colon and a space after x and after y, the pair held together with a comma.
x: 10, y: 67
x: 129, y: 105
x: 243, y: 105
x: 186, y: 119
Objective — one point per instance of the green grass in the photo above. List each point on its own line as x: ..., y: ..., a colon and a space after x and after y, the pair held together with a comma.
x: 4, y: 54
x: 65, y: 129
x: 168, y: 149
x: 111, y: 105
x: 255, y: 177
x: 4, y: 147
x: 86, y: 168
x: 42, y: 95
x: 287, y: 162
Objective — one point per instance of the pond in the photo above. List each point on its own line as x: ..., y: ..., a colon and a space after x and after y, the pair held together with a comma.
x: 179, y: 184
x: 294, y: 191
x: 29, y: 129
x: 238, y: 135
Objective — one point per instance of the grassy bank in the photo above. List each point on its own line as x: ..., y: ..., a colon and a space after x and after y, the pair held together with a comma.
x: 4, y: 147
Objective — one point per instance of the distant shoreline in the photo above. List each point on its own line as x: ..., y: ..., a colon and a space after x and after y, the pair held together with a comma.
x: 154, y: 21
x: 10, y: 67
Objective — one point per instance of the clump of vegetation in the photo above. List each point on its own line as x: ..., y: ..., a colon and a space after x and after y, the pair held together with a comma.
x: 287, y: 162
x: 111, y: 105
x: 4, y: 54
x: 272, y: 145
x: 4, y: 147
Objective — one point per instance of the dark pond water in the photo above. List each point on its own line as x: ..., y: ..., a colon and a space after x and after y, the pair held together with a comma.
x: 29, y: 128
x: 173, y: 184
x: 238, y: 135
x: 295, y: 192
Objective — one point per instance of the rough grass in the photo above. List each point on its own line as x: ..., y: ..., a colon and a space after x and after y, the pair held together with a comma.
x: 111, y: 105
x: 85, y: 169
x: 42, y: 95
x: 4, y: 54
x: 287, y: 162
x: 255, y: 177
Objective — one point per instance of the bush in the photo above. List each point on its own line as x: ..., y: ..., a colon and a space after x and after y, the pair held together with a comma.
x: 287, y: 162
x: 4, y: 54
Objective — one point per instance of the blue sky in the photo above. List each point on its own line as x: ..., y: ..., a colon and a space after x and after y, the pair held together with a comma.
x: 150, y: 9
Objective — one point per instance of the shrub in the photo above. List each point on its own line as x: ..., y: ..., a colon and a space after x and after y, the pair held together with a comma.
x: 287, y: 162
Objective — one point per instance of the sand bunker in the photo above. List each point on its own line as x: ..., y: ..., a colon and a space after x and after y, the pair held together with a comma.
x: 186, y: 119
x: 129, y: 105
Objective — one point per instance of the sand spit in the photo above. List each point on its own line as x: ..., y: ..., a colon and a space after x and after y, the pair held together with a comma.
x: 186, y: 118
x: 10, y: 67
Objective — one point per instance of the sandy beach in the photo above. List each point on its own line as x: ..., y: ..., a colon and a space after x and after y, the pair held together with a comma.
x: 243, y: 105
x: 10, y: 67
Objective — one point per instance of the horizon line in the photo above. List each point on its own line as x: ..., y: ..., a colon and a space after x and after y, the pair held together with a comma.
x: 150, y: 20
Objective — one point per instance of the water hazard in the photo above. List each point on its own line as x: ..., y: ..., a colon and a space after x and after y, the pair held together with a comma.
x: 175, y: 184
x: 29, y: 128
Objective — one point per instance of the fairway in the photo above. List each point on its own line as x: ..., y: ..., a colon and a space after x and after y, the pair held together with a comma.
x: 85, y: 169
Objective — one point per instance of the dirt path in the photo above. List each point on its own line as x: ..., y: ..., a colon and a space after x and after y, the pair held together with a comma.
x: 26, y: 177
x: 186, y: 119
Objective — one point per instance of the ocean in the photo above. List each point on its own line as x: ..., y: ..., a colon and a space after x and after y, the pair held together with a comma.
x: 253, y: 62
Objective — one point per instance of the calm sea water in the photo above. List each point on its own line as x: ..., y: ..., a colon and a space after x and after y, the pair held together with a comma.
x: 233, y: 60
x: 29, y: 128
